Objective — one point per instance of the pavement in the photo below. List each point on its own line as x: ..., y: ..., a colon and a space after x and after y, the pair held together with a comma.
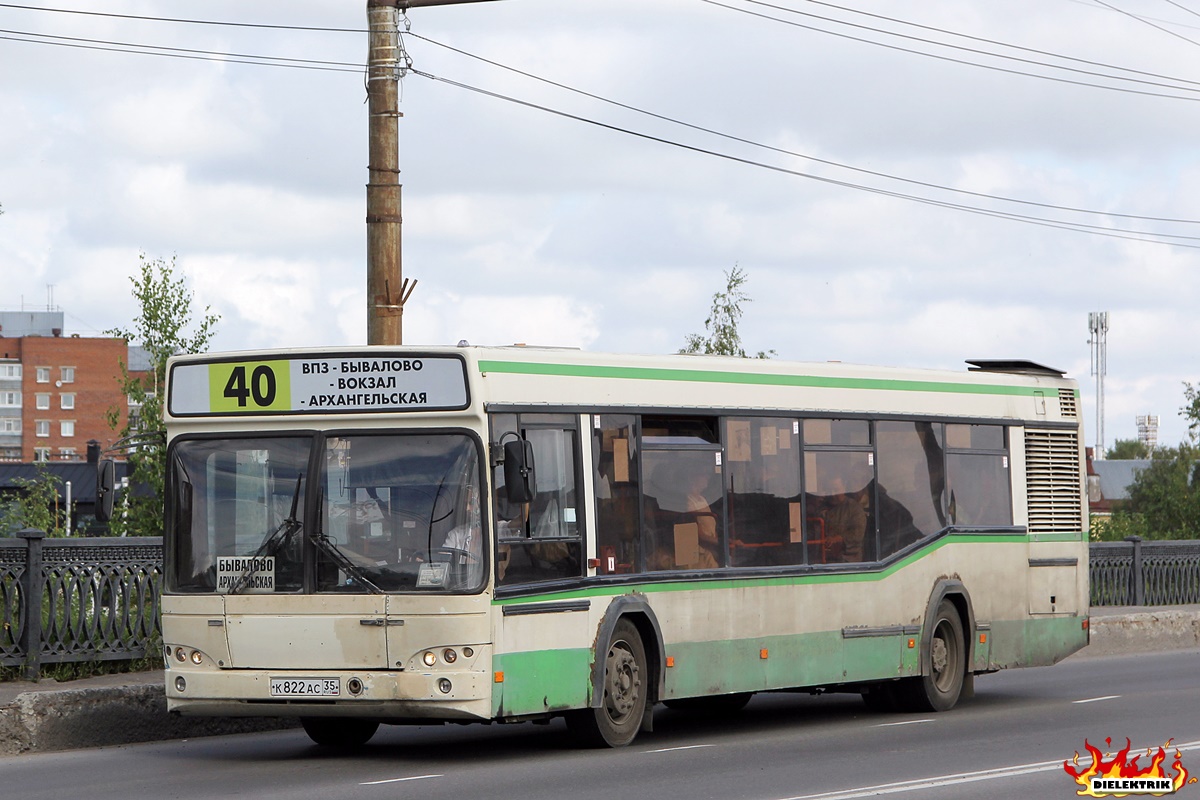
x: 123, y: 709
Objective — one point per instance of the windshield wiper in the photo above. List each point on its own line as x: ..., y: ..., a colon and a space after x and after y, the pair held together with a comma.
x: 330, y: 548
x: 273, y: 543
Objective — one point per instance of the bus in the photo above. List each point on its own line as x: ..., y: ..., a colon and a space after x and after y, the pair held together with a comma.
x: 399, y: 535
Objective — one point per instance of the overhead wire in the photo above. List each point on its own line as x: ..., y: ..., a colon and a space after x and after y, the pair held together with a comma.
x: 1120, y: 233
x: 793, y: 153
x: 965, y: 62
x: 241, y: 58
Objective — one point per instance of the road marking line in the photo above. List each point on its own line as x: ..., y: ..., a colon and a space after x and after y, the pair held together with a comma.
x: 954, y: 779
x: 398, y: 780
x: 1096, y: 699
x: 685, y: 747
x: 906, y: 722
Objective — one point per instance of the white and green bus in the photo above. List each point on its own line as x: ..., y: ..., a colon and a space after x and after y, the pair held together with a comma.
x: 404, y: 535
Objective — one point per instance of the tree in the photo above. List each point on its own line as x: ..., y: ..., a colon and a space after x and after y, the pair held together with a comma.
x: 1127, y: 449
x: 723, y: 338
x: 36, y: 506
x: 164, y: 316
x: 1164, y: 498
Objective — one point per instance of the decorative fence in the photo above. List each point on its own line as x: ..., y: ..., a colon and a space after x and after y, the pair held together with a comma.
x: 98, y: 599
x: 1140, y: 572
x: 77, y: 599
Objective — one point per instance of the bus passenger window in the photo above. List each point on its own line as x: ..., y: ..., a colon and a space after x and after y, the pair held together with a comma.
x: 682, y: 507
x: 912, y: 483
x: 762, y: 473
x: 617, y: 486
x: 839, y: 501
x: 977, y: 474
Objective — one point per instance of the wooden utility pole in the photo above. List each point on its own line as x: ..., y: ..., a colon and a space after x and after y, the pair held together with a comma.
x: 387, y: 290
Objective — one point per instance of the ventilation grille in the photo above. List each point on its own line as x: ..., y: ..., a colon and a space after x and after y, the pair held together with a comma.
x: 1053, y: 481
x: 1066, y: 403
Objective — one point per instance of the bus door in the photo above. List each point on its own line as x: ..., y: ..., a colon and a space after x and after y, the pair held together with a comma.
x: 544, y: 646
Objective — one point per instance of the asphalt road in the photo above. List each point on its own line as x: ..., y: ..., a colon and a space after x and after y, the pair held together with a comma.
x: 1010, y: 741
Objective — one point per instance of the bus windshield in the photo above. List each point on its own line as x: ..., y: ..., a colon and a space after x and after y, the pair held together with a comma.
x: 384, y: 512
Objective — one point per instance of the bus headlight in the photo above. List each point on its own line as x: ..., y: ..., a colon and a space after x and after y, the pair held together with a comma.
x: 429, y: 658
x: 449, y: 656
x: 444, y: 686
x: 197, y: 657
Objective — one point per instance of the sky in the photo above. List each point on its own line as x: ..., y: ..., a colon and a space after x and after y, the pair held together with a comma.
x: 912, y: 184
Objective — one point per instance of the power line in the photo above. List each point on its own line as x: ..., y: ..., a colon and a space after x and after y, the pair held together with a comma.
x: 953, y: 60
x: 1145, y: 21
x: 996, y: 42
x: 1119, y: 233
x: 783, y: 151
x: 208, y: 55
x: 184, y: 21
x: 180, y: 52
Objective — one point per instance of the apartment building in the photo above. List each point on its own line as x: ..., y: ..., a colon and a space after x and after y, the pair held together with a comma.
x: 55, y: 390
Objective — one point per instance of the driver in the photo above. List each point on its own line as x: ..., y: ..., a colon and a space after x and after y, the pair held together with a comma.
x: 466, y: 540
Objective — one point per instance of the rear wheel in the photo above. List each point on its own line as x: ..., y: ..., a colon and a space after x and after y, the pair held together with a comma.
x: 616, y: 722
x: 339, y: 732
x: 939, y: 690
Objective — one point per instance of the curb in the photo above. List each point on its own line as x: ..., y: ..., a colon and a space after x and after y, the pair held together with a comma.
x: 93, y: 716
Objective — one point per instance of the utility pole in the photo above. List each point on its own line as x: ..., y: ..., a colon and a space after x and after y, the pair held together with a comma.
x: 1098, y: 328
x: 387, y: 290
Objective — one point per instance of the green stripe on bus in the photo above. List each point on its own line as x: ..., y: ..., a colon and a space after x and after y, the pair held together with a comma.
x: 757, y: 379
x: 650, y: 586
x: 546, y: 681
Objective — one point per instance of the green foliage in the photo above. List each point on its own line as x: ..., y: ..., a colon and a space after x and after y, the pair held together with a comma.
x: 1167, y: 494
x: 723, y: 338
x: 1117, y: 527
x: 164, y: 316
x: 1191, y: 411
x: 37, y: 506
x: 1127, y: 449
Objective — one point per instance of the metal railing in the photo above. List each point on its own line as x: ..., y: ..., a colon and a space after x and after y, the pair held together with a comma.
x: 1138, y: 572
x: 98, y: 599
x: 77, y: 599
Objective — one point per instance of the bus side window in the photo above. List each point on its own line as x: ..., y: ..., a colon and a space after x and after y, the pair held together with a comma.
x: 541, y: 540
x: 617, y: 487
x: 763, y: 482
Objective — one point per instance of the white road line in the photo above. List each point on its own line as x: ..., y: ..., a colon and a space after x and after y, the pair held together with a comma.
x: 1096, y: 699
x: 685, y: 747
x: 906, y: 722
x: 399, y: 780
x: 958, y: 778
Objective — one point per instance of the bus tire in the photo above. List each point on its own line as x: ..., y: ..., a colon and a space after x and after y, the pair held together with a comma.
x: 718, y: 704
x: 626, y: 687
x: 339, y: 732
x: 940, y: 688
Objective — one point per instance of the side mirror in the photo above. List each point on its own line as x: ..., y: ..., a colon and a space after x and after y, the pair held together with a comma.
x: 106, y: 478
x: 518, y: 470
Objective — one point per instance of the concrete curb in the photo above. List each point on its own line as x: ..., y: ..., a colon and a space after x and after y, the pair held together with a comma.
x: 72, y: 717
x: 123, y: 709
x: 1118, y: 632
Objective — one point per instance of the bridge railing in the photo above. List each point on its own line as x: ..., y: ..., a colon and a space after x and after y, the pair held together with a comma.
x: 78, y: 599
x: 1144, y: 572
x: 98, y: 599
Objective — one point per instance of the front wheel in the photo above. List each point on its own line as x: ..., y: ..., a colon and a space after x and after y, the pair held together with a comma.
x: 939, y: 690
x: 616, y: 722
x: 339, y: 732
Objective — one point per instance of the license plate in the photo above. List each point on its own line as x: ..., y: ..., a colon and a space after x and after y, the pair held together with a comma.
x: 305, y: 687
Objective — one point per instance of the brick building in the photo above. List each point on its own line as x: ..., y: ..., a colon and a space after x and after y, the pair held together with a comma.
x: 55, y: 390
